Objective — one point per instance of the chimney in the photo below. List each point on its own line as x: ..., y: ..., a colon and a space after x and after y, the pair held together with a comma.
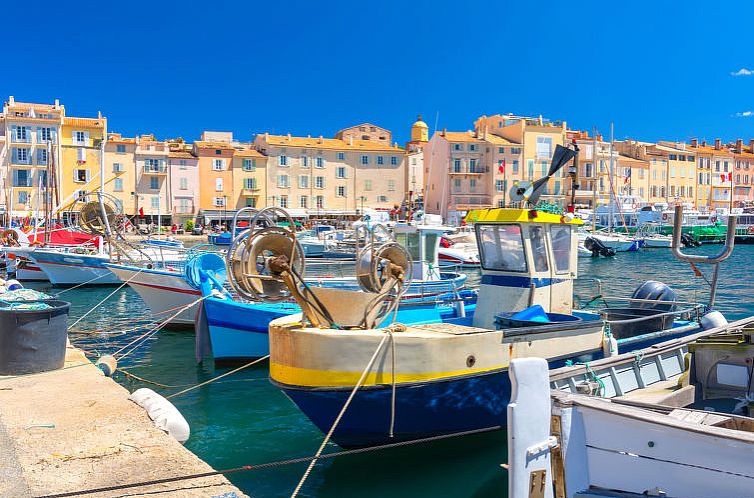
x: 751, y: 146
x: 443, y: 132
x: 99, y: 114
x: 266, y: 135
x: 12, y: 100
x: 289, y: 137
x: 718, y: 144
x: 739, y: 146
x: 350, y: 140
x: 704, y: 142
x: 694, y: 142
x: 321, y: 139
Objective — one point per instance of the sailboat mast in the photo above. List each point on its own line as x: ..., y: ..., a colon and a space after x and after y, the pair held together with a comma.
x: 594, y: 178
x: 611, y: 173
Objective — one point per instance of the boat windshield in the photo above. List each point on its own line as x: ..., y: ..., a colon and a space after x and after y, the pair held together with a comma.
x: 561, y: 247
x: 501, y: 247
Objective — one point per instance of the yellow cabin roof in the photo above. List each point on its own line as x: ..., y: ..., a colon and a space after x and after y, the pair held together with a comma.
x: 512, y: 215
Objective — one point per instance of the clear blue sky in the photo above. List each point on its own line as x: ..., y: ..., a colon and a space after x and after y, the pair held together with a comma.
x: 659, y: 70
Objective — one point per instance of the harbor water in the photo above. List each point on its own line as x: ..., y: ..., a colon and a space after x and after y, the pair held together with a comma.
x: 243, y: 420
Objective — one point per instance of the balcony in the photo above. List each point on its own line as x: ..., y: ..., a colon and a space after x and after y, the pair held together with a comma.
x: 469, y: 171
x: 470, y: 201
x: 250, y: 191
x: 150, y: 169
x: 19, y: 140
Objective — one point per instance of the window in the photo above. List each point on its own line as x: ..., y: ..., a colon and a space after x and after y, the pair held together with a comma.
x: 500, y: 203
x: 218, y: 152
x: 250, y: 183
x: 218, y: 184
x: 501, y: 150
x: 283, y: 181
x: 673, y: 157
x: 284, y: 201
x: 394, y: 161
x: 155, y: 202
x: 456, y: 146
x: 501, y: 247
x: 117, y: 167
x: 21, y: 156
x: 42, y: 156
x: 472, y: 166
x: 340, y: 172
x: 183, y: 184
x: 42, y: 178
x: 218, y: 201
x: 218, y: 164
x: 457, y: 185
x: 319, y: 163
x: 303, y: 201
x: 364, y: 159
x: 561, y: 247
x: 341, y: 156
x: 367, y: 184
x: 283, y: 160
x: 80, y: 175
x: 303, y: 181
x: 515, y: 150
x: 118, y: 185
x: 499, y: 185
x: 456, y: 166
x: 81, y: 138
x: 538, y: 250
x: 154, y: 182
x: 380, y: 160
x: 182, y: 164
x: 530, y: 167
x: 251, y: 202
x: 120, y: 148
x: 304, y: 162
x: 472, y: 147
x: 22, y: 134
x: 515, y: 165
x: 319, y: 182
x: 23, y: 197
x: 44, y: 135
x: 249, y: 164
x: 340, y: 191
x: 320, y: 201
x: 21, y: 178
x: 472, y: 185
x: 391, y: 185
x: 544, y: 147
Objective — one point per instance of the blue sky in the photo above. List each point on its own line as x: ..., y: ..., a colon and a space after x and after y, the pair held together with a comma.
x: 659, y: 70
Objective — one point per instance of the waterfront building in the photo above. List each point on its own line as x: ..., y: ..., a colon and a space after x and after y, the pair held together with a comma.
x: 152, y: 199
x: 415, y: 170
x: 82, y: 153
x: 742, y: 179
x: 714, y: 169
x: 31, y: 141
x: 183, y: 174
x: 250, y: 181
x: 332, y: 176
x: 120, y: 171
x: 365, y: 131
x: 214, y: 163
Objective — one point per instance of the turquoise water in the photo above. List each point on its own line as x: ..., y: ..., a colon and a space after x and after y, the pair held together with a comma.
x: 243, y: 419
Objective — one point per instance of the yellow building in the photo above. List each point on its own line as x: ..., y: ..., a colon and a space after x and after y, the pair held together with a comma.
x: 120, y: 171
x: 82, y: 151
x: 249, y: 179
x: 215, y: 160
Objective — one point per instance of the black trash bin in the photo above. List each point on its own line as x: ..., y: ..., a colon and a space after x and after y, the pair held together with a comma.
x: 648, y: 321
x: 32, y: 340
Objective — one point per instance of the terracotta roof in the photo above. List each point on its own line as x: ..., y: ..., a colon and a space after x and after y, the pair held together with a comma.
x: 181, y: 154
x: 213, y: 145
x: 494, y: 139
x: 89, y: 122
x: 249, y: 153
x: 628, y: 159
x: 708, y: 149
x: 29, y: 105
x: 328, y: 143
x: 461, y: 136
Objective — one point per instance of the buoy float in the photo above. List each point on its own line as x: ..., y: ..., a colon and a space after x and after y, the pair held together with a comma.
x: 163, y: 413
x: 713, y: 319
x: 108, y: 364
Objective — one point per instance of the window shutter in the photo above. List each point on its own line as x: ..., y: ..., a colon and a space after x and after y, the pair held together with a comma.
x: 86, y: 137
x: 14, y: 155
x: 54, y: 136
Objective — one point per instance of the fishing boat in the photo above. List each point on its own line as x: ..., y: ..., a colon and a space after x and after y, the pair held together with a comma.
x: 452, y: 376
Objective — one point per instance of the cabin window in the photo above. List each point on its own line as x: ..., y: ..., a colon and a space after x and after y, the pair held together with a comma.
x: 502, y: 247
x: 411, y: 242
x: 732, y: 375
x: 538, y: 249
x: 561, y: 247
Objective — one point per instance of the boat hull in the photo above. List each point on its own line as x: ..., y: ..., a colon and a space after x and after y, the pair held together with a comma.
x: 72, y: 269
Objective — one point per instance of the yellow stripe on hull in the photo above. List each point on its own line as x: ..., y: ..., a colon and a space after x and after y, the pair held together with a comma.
x: 304, y: 377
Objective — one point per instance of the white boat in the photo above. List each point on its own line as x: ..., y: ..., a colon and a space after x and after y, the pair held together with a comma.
x: 614, y: 241
x: 459, y: 249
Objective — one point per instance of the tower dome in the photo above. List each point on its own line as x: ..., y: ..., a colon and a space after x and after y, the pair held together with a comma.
x: 419, y: 130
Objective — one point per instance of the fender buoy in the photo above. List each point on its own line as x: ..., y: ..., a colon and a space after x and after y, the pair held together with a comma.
x: 665, y: 216
x: 750, y: 229
x: 713, y: 219
x: 163, y: 413
x: 634, y: 205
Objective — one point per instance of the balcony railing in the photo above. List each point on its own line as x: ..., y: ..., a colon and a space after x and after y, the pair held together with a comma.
x: 155, y: 170
x: 18, y: 140
x: 22, y: 183
x: 470, y: 201
x: 479, y: 170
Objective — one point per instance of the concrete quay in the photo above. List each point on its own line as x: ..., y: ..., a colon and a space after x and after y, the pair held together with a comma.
x: 74, y: 429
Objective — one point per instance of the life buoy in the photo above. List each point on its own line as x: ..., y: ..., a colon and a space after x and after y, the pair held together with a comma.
x: 750, y: 229
x: 634, y: 205
x: 665, y: 216
x: 713, y: 219
x: 9, y: 237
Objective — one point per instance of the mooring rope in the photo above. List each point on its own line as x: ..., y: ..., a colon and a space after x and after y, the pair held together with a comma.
x: 277, y: 463
x: 106, y: 298
x: 258, y: 360
x: 340, y: 416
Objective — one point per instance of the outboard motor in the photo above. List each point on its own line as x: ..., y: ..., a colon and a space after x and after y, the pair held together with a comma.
x: 689, y: 241
x: 597, y: 247
x: 652, y: 290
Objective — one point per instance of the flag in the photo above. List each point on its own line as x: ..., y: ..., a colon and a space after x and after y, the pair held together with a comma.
x: 722, y: 177
x: 730, y: 176
x: 141, y: 212
x: 501, y: 166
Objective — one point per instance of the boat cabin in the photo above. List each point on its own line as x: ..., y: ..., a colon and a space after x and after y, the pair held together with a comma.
x: 422, y: 241
x: 527, y: 257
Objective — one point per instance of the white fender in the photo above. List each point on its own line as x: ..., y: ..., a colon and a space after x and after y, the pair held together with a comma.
x: 713, y: 319
x: 163, y: 413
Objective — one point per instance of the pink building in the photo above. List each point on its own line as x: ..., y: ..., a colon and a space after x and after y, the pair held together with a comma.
x: 184, y: 183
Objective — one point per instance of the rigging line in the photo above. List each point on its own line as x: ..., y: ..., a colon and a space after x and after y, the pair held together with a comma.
x: 82, y: 283
x: 339, y: 417
x: 278, y: 463
x: 258, y: 360
x: 106, y: 298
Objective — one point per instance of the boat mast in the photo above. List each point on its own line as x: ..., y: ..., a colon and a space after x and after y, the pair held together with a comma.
x: 610, y: 173
x: 594, y: 178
